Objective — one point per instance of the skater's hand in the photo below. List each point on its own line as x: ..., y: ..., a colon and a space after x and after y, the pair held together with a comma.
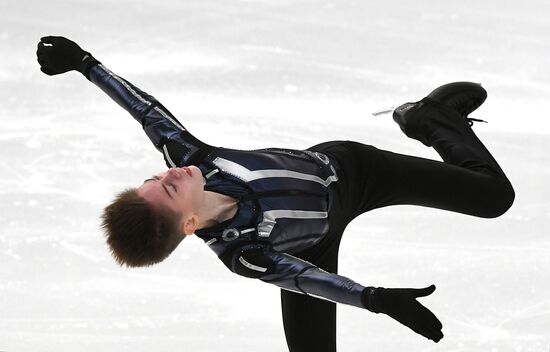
x: 58, y: 55
x: 401, y: 305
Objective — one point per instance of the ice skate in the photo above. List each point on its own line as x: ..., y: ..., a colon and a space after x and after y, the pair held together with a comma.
x: 453, y: 102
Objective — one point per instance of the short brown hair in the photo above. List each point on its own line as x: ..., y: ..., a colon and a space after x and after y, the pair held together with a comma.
x: 138, y: 234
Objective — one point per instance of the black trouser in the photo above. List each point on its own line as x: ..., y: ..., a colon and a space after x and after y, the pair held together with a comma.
x: 469, y: 181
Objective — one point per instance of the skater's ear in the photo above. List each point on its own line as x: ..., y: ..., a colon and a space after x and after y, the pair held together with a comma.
x: 189, y: 224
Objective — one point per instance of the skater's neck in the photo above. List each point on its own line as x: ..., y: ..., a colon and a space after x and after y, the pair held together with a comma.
x: 216, y: 208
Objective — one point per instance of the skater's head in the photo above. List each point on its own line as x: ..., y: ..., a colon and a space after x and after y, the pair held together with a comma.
x: 144, y: 225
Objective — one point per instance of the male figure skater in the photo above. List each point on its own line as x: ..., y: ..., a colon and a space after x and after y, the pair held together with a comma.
x: 278, y: 214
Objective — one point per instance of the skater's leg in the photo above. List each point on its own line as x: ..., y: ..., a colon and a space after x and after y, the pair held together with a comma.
x: 469, y: 180
x: 388, y: 178
x: 309, y: 322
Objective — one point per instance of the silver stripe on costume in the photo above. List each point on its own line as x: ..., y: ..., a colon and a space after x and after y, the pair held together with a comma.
x: 211, y: 173
x: 169, y: 118
x: 271, y: 216
x: 318, y: 155
x: 248, y: 230
x: 247, y: 175
x: 252, y: 266
x: 320, y: 297
x: 291, y: 290
x: 168, y: 156
x: 211, y: 241
x: 119, y: 80
x: 135, y: 94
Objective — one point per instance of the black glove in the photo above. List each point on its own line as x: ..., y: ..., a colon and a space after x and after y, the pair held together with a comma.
x: 62, y: 55
x: 401, y: 305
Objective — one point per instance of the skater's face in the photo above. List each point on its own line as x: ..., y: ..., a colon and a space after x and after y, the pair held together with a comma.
x: 178, y: 189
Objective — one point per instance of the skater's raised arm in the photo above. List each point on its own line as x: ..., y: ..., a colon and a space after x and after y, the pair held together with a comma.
x: 58, y: 55
x: 294, y: 274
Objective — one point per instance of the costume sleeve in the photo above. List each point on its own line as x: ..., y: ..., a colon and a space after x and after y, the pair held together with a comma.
x: 168, y: 135
x: 294, y: 274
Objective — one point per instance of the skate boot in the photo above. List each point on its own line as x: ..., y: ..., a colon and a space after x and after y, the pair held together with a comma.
x: 447, y: 106
x: 464, y: 97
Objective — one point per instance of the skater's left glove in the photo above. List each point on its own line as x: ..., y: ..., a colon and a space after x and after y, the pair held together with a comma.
x: 59, y: 55
x: 401, y: 305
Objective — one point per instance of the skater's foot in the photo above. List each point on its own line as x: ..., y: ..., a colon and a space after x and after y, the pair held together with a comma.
x: 458, y: 98
x: 464, y: 97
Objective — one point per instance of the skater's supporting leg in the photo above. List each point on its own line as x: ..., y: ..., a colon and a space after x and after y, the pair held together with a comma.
x: 309, y: 322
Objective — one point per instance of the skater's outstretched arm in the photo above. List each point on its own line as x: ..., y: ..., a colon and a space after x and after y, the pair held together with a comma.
x: 58, y: 55
x: 297, y: 275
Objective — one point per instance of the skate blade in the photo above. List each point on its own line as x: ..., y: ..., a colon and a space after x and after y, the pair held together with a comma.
x: 384, y: 111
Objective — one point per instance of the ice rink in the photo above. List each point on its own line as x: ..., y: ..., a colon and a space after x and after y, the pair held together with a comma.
x: 256, y: 74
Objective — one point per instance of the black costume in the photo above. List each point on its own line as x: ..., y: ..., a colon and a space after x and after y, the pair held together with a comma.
x: 295, y: 204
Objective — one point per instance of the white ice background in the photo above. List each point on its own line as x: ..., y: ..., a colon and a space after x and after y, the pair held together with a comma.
x: 255, y: 74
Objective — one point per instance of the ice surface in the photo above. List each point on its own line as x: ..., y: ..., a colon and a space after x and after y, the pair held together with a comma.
x: 254, y: 74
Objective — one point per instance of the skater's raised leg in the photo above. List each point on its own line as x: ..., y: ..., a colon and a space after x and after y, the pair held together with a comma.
x: 469, y: 181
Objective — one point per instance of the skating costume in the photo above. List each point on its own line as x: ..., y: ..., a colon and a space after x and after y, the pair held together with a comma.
x: 295, y: 204
x: 284, y: 198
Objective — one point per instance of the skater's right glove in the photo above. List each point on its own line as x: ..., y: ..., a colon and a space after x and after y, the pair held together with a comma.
x: 401, y: 305
x: 58, y: 55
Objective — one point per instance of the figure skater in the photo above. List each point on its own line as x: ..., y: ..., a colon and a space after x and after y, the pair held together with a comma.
x: 278, y: 214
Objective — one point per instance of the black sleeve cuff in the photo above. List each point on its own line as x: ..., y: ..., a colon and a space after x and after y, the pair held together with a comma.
x: 367, y: 298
